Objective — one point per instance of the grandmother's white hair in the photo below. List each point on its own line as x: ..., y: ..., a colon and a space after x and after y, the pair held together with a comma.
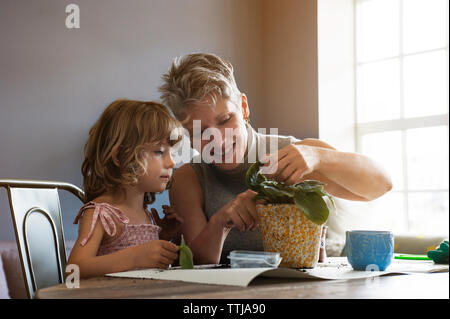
x: 195, y: 77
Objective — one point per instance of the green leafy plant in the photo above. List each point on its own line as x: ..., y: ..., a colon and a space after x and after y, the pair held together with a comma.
x: 307, y: 195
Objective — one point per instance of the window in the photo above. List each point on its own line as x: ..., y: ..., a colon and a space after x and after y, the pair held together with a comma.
x: 402, y: 107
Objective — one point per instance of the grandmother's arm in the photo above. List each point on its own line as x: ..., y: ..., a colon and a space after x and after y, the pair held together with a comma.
x: 205, y: 238
x: 348, y: 175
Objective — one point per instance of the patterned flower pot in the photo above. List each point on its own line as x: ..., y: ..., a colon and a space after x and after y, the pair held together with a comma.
x: 285, y: 229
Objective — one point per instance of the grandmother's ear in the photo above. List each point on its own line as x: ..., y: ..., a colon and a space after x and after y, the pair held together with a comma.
x: 244, y: 107
x: 115, y: 154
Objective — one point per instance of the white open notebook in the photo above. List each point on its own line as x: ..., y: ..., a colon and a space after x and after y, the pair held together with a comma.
x: 333, y: 268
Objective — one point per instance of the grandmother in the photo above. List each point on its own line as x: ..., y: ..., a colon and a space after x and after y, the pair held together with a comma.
x: 210, y: 192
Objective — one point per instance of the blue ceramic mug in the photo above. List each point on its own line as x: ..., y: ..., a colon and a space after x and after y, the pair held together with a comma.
x: 369, y: 250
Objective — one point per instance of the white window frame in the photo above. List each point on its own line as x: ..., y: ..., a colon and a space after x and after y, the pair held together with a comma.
x: 402, y: 124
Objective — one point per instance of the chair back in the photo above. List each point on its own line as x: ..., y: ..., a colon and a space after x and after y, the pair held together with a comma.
x: 36, y: 214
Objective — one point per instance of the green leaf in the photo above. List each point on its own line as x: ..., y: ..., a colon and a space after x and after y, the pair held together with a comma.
x: 276, y: 191
x: 307, y: 195
x: 310, y: 185
x: 313, y: 206
x: 254, y: 177
x: 186, y: 258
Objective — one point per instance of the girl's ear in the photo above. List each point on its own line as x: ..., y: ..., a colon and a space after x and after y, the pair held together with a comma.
x: 114, y: 155
x: 244, y: 107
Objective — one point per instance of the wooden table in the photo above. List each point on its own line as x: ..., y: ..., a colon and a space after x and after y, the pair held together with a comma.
x: 434, y: 285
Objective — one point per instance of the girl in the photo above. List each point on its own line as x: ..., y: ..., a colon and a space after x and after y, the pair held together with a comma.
x: 127, y: 160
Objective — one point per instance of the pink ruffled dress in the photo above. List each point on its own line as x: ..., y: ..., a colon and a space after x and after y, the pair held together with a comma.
x: 132, y: 235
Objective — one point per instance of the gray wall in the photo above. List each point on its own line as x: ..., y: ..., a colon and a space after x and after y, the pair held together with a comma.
x: 55, y: 82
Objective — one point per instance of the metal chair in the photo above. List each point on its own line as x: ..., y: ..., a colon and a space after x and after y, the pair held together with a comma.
x: 36, y: 215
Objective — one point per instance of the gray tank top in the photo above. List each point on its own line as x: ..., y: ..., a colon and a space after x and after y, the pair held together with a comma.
x: 221, y: 186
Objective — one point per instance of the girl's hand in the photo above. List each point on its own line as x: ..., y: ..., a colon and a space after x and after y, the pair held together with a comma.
x: 170, y: 224
x: 239, y: 213
x: 156, y: 254
x: 294, y: 162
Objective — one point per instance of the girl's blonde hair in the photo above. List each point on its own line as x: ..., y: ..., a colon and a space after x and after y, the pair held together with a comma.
x: 128, y: 128
x: 194, y: 77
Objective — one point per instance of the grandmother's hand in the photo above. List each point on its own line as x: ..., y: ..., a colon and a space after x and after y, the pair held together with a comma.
x: 291, y: 163
x: 239, y: 213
